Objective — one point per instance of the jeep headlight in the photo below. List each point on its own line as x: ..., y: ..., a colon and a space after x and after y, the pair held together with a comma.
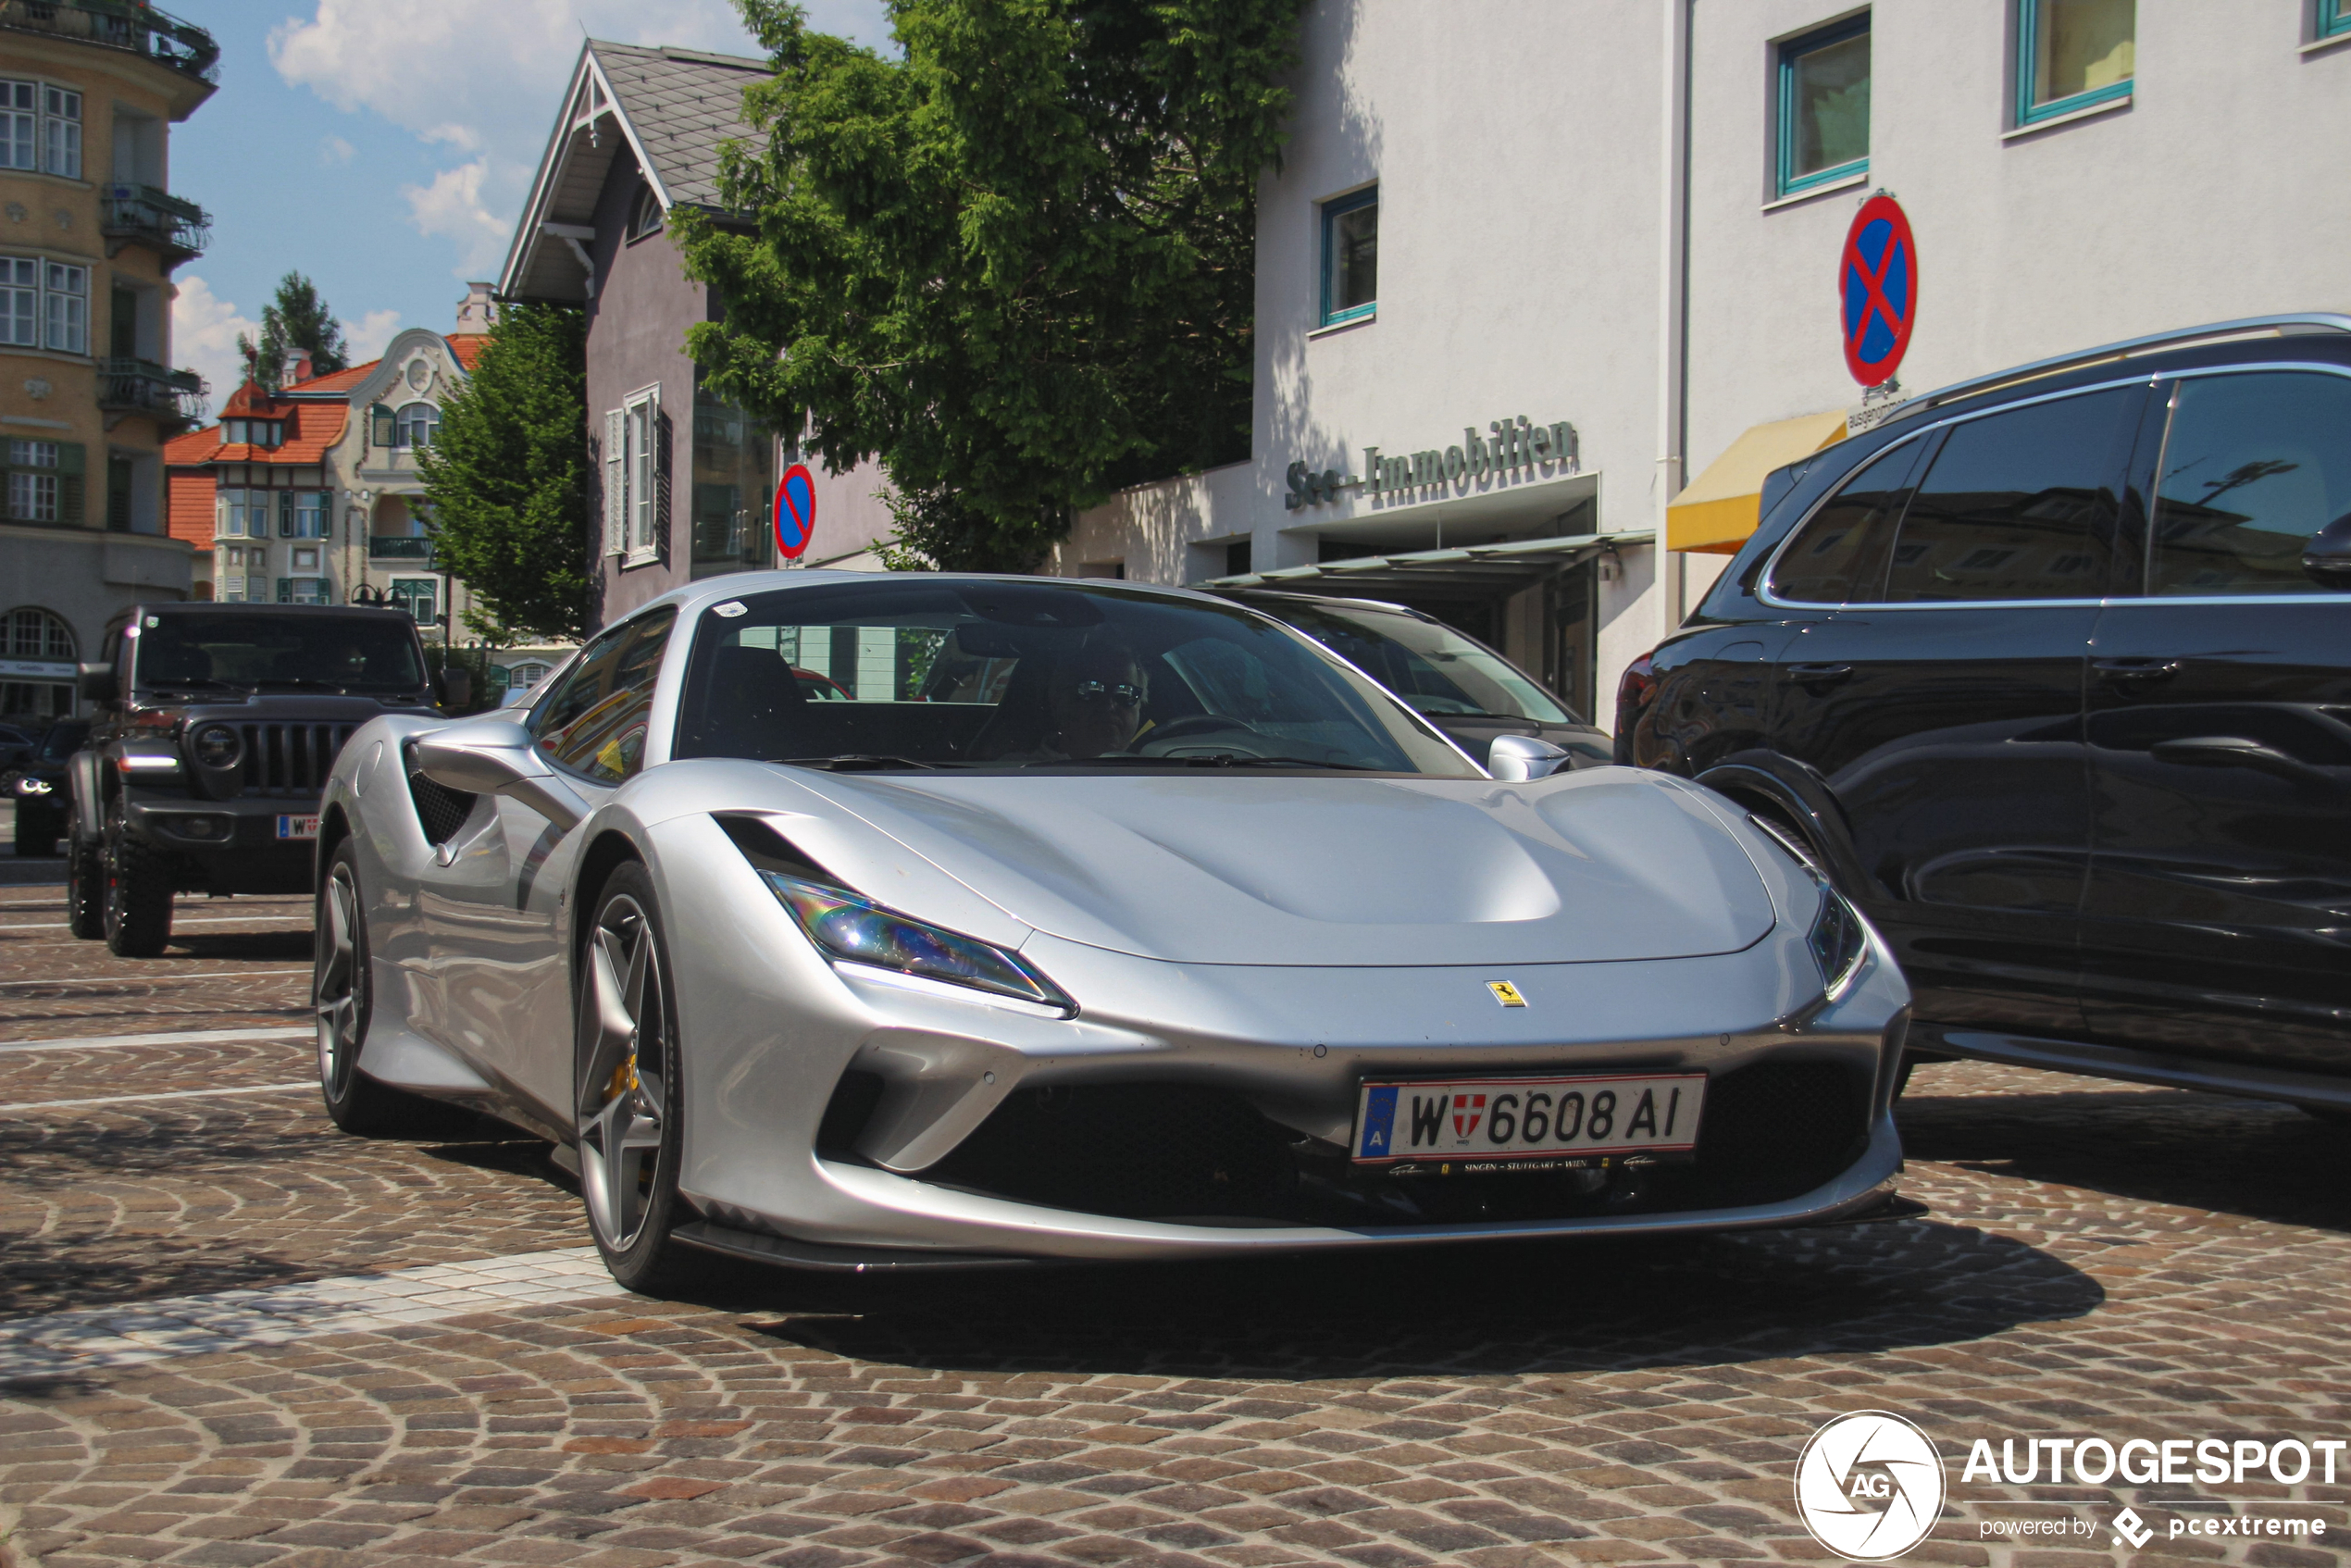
x: 852, y: 930
x: 1839, y: 941
x: 218, y: 746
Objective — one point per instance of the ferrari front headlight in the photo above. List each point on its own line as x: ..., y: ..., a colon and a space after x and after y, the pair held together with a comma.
x: 1838, y: 940
x: 854, y: 931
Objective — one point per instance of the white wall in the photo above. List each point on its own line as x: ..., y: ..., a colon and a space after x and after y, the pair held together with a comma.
x: 2215, y: 193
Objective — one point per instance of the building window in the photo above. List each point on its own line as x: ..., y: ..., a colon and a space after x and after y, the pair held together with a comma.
x: 37, y: 634
x: 415, y: 594
x: 646, y: 218
x: 527, y: 676
x: 1350, y: 256
x: 302, y: 591
x: 253, y: 432
x: 33, y: 292
x: 33, y: 498
x: 61, y: 131
x: 310, y: 513
x: 36, y: 487
x: 1824, y: 105
x: 2334, y: 18
x: 416, y: 425
x: 67, y: 290
x: 41, y: 128
x: 2072, y: 53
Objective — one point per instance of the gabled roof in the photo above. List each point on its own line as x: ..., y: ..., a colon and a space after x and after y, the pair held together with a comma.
x: 672, y: 109
x: 335, y: 382
x: 466, y: 347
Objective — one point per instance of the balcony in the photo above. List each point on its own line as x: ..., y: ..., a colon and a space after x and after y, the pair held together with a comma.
x: 142, y: 215
x: 173, y: 398
x: 130, y: 25
x: 400, y: 547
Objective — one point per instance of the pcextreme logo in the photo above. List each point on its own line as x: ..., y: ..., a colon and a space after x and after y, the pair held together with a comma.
x: 1868, y: 1485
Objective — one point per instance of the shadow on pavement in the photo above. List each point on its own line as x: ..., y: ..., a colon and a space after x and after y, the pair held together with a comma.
x: 1519, y: 1309
x: 2245, y: 1157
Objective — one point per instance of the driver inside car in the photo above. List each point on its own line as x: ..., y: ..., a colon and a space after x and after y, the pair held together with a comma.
x: 1093, y: 704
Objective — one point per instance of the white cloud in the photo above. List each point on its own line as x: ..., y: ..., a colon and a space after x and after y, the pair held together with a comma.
x: 334, y: 150
x: 203, y: 337
x: 484, y: 79
x: 452, y: 205
x: 366, y: 338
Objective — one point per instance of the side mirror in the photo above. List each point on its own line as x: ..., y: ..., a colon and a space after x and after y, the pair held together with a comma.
x: 2327, y: 557
x: 453, y: 687
x: 95, y: 683
x: 496, y: 756
x: 1514, y: 759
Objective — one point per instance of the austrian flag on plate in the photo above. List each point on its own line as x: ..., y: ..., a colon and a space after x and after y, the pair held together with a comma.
x: 1468, y: 1111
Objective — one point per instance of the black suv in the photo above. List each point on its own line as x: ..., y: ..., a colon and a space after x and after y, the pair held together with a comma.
x: 37, y: 785
x: 2052, y: 673
x: 216, y: 727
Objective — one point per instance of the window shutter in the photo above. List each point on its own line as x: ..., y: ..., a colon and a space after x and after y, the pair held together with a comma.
x: 69, y: 476
x: 285, y: 513
x: 382, y: 431
x: 615, y: 484
x: 285, y: 591
x: 662, y: 442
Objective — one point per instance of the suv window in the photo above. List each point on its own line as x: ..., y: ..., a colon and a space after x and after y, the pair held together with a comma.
x: 595, y: 723
x: 2016, y: 505
x: 2253, y: 465
x: 1846, y: 539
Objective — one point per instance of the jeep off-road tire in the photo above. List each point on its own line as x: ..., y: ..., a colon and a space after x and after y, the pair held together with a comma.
x: 138, y: 886
x: 85, y: 889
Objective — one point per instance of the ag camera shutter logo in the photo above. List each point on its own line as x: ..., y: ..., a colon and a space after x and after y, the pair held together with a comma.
x: 1868, y: 1485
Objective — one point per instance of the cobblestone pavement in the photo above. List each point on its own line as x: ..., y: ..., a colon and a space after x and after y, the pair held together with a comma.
x: 231, y: 1335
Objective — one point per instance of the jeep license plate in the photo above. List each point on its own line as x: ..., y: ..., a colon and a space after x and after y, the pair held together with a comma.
x: 297, y: 827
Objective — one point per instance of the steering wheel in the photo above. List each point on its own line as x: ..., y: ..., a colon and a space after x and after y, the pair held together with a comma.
x: 1193, y: 724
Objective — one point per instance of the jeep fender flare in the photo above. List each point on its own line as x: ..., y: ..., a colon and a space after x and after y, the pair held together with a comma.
x: 85, y: 771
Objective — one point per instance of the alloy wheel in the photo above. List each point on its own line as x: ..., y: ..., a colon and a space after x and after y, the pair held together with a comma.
x: 622, y: 1098
x: 335, y: 992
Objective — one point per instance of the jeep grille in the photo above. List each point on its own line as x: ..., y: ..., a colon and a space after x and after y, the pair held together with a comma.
x: 291, y: 759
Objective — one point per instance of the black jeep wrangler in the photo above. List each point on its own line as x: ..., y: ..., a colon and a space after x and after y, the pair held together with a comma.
x: 214, y: 728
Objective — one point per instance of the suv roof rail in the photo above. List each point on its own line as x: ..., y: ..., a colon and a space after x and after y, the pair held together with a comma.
x: 2294, y: 325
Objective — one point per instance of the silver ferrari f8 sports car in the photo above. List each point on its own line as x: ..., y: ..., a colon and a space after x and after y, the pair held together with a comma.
x: 1075, y: 920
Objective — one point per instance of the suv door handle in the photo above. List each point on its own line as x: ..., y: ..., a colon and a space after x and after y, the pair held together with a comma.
x: 2232, y: 751
x: 1817, y: 675
x: 2123, y: 672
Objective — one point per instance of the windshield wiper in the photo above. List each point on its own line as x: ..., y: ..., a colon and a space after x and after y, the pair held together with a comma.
x: 194, y: 682
x: 303, y: 682
x: 859, y: 762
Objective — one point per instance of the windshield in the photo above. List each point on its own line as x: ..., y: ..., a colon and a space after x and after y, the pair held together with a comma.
x: 63, y: 741
x: 1434, y: 668
x: 250, y: 653
x: 947, y: 673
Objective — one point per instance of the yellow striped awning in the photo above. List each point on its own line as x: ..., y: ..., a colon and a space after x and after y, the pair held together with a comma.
x: 1720, y: 508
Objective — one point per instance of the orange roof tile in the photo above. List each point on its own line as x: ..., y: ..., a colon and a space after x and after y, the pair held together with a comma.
x: 310, y: 431
x: 191, y: 507
x: 341, y: 380
x: 468, y: 347
x: 193, y: 446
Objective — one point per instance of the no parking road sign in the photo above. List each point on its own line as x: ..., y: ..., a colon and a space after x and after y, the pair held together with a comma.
x: 795, y: 510
x: 1877, y: 279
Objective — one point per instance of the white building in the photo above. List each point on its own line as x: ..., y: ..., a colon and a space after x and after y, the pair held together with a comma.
x: 1615, y: 230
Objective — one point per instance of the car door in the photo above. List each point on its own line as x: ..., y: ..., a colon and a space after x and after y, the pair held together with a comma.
x: 2219, y: 900
x: 1939, y: 709
x: 491, y: 904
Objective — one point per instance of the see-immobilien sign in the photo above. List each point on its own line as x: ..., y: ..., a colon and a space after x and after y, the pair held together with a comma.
x: 1510, y: 446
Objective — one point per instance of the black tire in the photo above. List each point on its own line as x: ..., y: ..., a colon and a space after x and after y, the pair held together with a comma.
x: 138, y: 902
x: 629, y: 1100
x: 343, y: 998
x: 85, y: 889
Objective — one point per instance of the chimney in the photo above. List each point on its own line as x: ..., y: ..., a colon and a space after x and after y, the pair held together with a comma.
x: 476, y: 311
x: 297, y: 367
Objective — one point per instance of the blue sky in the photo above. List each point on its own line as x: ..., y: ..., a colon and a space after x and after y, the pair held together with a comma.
x: 383, y: 147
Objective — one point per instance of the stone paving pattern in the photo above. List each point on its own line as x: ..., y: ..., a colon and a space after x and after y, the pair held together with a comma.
x: 2098, y: 1258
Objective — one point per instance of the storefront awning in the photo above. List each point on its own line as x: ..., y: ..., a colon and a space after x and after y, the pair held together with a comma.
x: 1720, y: 508
x: 1474, y: 571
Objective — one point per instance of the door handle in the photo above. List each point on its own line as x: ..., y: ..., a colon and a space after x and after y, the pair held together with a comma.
x: 1817, y: 675
x: 2125, y: 672
x: 2231, y: 750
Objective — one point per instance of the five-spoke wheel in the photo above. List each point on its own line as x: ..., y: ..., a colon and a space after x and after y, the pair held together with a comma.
x: 628, y: 1101
x: 342, y: 996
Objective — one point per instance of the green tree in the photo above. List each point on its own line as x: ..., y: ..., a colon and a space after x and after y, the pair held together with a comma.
x: 297, y: 318
x: 1017, y: 265
x: 506, y: 478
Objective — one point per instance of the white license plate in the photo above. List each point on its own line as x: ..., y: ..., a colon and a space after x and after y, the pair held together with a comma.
x: 1481, y: 1119
x: 297, y: 827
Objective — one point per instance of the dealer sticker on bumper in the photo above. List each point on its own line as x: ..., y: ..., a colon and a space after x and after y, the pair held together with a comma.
x: 1528, y: 1118
x: 297, y: 827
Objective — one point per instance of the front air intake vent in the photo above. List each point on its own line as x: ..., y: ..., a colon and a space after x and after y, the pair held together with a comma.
x: 440, y: 811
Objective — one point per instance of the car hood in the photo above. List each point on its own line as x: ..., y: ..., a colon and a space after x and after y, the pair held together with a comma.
x: 1602, y: 865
